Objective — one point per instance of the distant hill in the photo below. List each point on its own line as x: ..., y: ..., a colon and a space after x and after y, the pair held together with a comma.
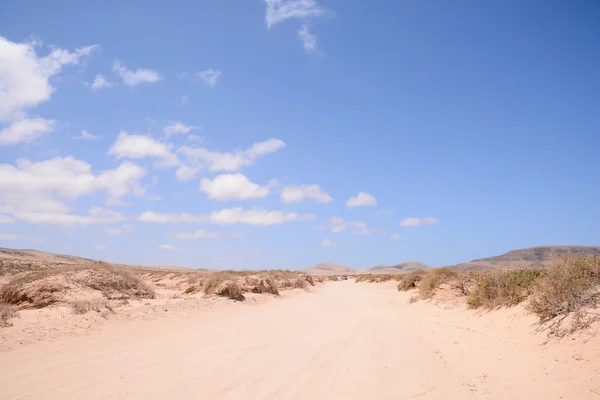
x: 328, y: 268
x: 532, y: 257
x: 408, y: 266
x: 36, y: 255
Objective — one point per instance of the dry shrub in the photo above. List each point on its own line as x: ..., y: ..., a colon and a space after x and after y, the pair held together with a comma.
x: 83, y: 306
x: 310, y: 280
x: 434, y: 279
x: 42, y: 288
x: 229, y: 289
x: 569, y: 286
x: 7, y: 312
x: 503, y: 288
x: 411, y: 280
x: 333, y: 278
x: 260, y: 285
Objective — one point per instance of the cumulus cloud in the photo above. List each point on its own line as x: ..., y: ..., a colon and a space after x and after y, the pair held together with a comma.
x: 25, y: 75
x: 177, y: 128
x: 199, y: 157
x: 25, y: 130
x: 85, y: 135
x: 100, y: 82
x: 168, y: 247
x: 280, y: 10
x: 326, y: 242
x: 96, y: 216
x: 209, y: 76
x: 309, y: 39
x: 140, y: 146
x: 228, y: 216
x: 395, y: 236
x: 295, y: 194
x: 232, y: 187
x: 134, y: 78
x: 412, y: 222
x: 362, y: 199
x: 43, y: 186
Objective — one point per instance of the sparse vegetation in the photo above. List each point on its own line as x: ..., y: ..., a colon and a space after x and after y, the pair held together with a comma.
x: 570, y: 287
x: 378, y: 278
x: 434, y: 280
x: 83, y: 306
x: 43, y: 288
x: 7, y: 312
x: 503, y: 288
x: 411, y: 280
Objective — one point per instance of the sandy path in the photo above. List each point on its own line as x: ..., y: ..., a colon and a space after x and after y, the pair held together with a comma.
x: 345, y: 340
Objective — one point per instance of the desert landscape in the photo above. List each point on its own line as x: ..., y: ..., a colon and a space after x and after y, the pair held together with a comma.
x: 79, y: 328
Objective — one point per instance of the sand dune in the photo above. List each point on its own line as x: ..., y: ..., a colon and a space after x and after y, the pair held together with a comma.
x: 341, y: 341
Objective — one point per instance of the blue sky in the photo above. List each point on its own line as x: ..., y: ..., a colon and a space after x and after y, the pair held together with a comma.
x: 280, y: 134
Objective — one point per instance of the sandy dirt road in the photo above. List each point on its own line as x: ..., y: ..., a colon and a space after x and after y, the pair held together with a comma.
x: 343, y: 341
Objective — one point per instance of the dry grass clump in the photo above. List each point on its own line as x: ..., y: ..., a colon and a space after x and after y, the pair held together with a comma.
x: 434, y: 279
x: 260, y: 285
x: 218, y: 286
x: 83, y: 306
x: 378, y: 278
x: 411, y: 280
x: 570, y: 286
x: 7, y: 312
x: 58, y: 285
x: 503, y: 288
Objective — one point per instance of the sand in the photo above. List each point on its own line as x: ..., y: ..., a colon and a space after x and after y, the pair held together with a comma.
x: 341, y: 341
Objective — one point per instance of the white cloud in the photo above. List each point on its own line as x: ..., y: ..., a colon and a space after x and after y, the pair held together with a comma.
x: 177, y: 128
x: 280, y: 10
x: 411, y: 222
x: 96, y: 216
x: 294, y: 194
x: 309, y: 39
x: 5, y: 219
x: 85, y: 135
x: 187, y: 173
x: 42, y: 186
x: 134, y: 78
x: 114, y: 231
x: 185, y: 100
x: 24, y: 76
x: 382, y: 212
x: 230, y: 161
x: 194, y: 138
x: 25, y: 130
x: 210, y: 76
x: 338, y: 225
x: 362, y: 199
x: 168, y: 247
x: 202, y: 234
x: 326, y: 242
x: 14, y: 236
x: 139, y: 146
x: 228, y: 216
x: 395, y: 236
x: 100, y: 83
x: 100, y: 247
x: 232, y: 187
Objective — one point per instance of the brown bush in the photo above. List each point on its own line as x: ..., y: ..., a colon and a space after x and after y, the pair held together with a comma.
x: 7, y: 312
x: 260, y: 285
x: 434, y: 279
x: 227, y: 288
x: 503, y: 288
x: 83, y: 306
x: 411, y: 280
x: 570, y: 286
x: 58, y: 285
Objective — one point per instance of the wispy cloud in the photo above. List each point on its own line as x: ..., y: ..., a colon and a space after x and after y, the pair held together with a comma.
x: 210, y: 76
x: 227, y: 216
x: 280, y: 10
x: 100, y: 82
x: 309, y: 39
x: 232, y: 187
x: 134, y: 78
x: 394, y: 236
x: 25, y: 130
x: 168, y: 247
x: 85, y: 135
x: 412, y: 222
x: 177, y: 128
x: 295, y: 194
x: 326, y: 242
